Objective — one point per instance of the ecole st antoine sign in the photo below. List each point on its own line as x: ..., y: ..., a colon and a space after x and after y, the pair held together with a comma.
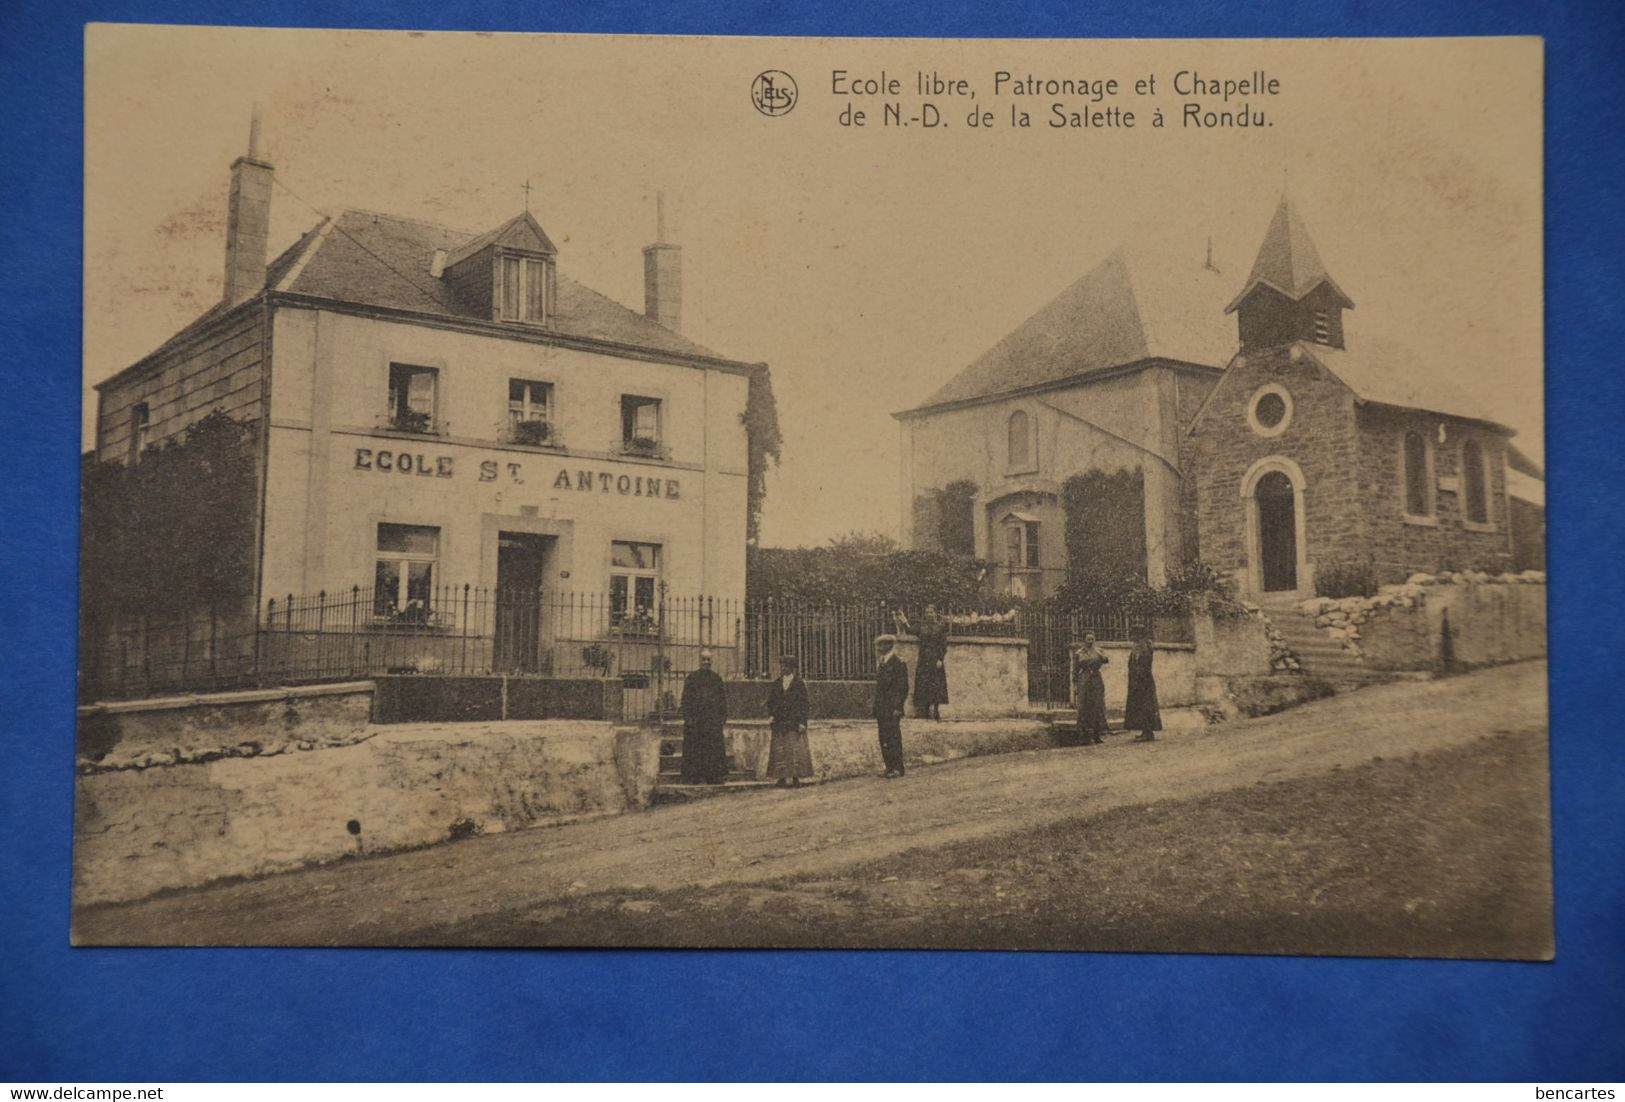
x: 580, y: 479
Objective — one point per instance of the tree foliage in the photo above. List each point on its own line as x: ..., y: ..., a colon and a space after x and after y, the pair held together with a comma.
x: 864, y: 567
x: 174, y: 532
x: 764, y: 445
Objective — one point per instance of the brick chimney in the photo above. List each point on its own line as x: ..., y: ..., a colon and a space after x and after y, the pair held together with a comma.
x: 248, y: 220
x: 663, y: 275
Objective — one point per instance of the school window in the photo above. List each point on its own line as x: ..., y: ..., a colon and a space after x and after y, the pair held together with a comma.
x: 412, y: 394
x: 640, y: 423
x: 1417, y: 476
x: 140, y: 423
x: 403, y: 579
x: 1475, y: 483
x: 1019, y: 441
x: 634, y: 576
x: 530, y: 409
x: 524, y: 289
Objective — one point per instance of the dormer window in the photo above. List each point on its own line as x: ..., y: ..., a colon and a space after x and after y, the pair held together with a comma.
x: 524, y: 289
x: 1323, y: 327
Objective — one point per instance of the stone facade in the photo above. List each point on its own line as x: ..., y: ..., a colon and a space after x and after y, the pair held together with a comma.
x: 1445, y: 541
x: 1319, y: 444
x: 1345, y: 460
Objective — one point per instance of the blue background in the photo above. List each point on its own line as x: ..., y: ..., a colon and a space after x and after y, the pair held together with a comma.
x: 127, y: 1015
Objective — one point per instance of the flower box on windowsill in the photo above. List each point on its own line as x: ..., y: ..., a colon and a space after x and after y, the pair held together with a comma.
x: 533, y: 434
x: 643, y: 447
x: 418, y: 424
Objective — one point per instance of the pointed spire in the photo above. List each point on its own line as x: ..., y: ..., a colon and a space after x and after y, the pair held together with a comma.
x: 1287, y: 260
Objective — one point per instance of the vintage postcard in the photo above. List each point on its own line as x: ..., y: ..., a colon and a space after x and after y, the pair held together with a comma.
x: 617, y: 491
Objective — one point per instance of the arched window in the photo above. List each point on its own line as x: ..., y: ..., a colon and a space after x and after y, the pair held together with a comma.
x: 1418, y: 499
x: 1020, y: 440
x: 1475, y: 483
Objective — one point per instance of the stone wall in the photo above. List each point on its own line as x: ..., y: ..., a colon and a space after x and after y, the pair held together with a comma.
x: 141, y: 830
x: 825, y: 699
x: 987, y: 675
x: 1173, y: 668
x: 166, y: 730
x: 448, y: 699
x: 1492, y: 620
x: 1399, y: 547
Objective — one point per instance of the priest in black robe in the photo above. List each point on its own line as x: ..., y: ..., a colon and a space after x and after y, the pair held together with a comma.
x: 705, y: 714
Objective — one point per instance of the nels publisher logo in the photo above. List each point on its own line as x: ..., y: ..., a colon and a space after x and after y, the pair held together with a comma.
x: 774, y: 92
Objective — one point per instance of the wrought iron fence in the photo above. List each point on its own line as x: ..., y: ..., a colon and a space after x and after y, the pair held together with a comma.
x: 650, y: 646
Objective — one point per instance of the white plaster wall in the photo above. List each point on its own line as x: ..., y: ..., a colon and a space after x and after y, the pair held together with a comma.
x: 1135, y: 417
x: 324, y: 501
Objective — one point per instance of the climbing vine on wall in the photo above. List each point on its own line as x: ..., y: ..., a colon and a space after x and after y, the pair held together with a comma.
x: 1105, y: 533
x: 956, y: 517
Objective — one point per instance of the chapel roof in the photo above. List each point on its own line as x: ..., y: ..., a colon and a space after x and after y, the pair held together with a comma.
x: 1126, y: 309
x: 1287, y: 260
x: 1389, y: 373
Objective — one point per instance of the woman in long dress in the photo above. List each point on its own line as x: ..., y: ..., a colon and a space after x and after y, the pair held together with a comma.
x: 1091, y: 692
x: 789, y: 758
x: 931, y: 676
x: 1141, y: 713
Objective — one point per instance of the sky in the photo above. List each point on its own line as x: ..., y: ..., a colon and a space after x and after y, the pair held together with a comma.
x: 865, y: 265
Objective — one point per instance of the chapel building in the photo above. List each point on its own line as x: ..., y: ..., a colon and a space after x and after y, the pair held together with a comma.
x: 1320, y: 449
x: 1133, y: 411
x: 1089, y: 397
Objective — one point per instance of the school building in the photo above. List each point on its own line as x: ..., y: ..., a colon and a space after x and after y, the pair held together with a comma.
x: 438, y: 409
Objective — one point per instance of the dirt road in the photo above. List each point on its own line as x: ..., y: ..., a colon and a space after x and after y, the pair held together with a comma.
x: 817, y: 832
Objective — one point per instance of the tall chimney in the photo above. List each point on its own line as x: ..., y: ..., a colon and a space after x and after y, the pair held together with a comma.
x: 248, y: 219
x: 663, y: 275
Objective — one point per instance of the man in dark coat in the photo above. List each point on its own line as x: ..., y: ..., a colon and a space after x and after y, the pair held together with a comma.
x: 705, y: 713
x: 891, y: 693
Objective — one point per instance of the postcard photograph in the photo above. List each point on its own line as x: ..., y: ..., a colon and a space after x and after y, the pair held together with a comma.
x: 551, y: 490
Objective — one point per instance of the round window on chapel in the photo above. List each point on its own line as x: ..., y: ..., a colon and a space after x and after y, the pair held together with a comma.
x: 1270, y: 410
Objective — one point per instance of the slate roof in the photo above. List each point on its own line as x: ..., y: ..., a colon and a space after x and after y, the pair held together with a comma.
x: 1287, y: 260
x: 1387, y: 372
x: 1126, y: 309
x: 379, y: 260
x: 1519, y: 461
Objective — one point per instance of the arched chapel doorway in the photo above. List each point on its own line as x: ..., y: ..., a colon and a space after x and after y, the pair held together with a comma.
x: 1277, y: 533
x: 1272, y: 497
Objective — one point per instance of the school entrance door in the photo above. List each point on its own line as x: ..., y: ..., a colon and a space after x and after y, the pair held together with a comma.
x: 521, y: 564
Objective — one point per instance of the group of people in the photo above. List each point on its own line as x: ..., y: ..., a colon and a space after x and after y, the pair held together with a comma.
x: 789, y: 760
x: 1140, y: 710
x: 705, y: 718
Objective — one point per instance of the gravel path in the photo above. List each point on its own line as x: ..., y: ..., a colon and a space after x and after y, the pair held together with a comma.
x: 818, y: 831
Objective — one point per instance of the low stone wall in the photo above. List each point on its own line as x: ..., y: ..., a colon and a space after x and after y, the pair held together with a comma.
x: 1173, y: 667
x: 840, y: 748
x: 825, y: 699
x: 1227, y: 648
x: 166, y: 730
x: 448, y: 699
x: 141, y: 830
x: 987, y: 675
x: 1493, y: 619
